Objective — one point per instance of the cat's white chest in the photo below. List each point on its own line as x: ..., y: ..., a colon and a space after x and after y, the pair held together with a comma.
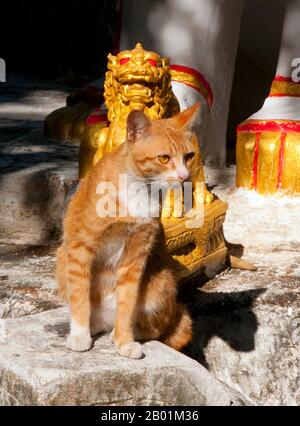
x: 136, y: 201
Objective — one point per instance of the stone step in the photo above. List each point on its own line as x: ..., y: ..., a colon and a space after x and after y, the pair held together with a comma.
x: 246, y: 323
x: 36, y: 176
x: 247, y: 328
x: 36, y: 368
x: 35, y: 173
x: 27, y: 280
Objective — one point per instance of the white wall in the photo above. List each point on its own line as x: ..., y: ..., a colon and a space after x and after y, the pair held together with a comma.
x: 202, y: 34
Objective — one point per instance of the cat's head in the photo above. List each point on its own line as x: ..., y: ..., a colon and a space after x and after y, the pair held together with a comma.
x: 163, y: 150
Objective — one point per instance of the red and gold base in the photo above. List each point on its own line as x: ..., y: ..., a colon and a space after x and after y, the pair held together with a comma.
x: 268, y: 156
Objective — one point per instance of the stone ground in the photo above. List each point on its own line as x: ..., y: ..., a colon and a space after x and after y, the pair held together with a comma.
x: 247, y: 324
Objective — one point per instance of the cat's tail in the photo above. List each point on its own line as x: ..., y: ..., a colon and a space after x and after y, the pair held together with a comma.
x: 182, y: 333
x: 238, y: 263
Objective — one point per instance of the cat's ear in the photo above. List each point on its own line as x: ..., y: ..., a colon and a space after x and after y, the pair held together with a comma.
x: 189, y: 118
x: 137, y: 125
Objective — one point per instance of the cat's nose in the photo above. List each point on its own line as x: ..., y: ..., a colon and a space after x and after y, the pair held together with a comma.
x: 183, y: 176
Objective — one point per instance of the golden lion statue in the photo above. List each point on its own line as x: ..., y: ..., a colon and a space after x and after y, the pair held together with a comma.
x: 135, y: 79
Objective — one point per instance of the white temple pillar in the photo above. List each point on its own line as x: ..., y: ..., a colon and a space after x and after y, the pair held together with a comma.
x: 268, y: 142
x: 201, y: 38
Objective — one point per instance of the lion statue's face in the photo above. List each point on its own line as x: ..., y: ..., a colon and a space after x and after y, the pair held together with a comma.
x: 139, y: 77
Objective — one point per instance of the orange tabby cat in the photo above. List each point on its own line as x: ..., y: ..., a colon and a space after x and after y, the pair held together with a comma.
x: 115, y: 272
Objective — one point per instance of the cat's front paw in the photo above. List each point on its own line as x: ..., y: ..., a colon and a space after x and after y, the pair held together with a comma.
x: 130, y: 350
x: 79, y: 343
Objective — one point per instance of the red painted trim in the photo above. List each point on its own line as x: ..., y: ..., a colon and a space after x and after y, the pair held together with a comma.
x: 281, y: 160
x: 280, y: 95
x: 269, y: 126
x: 285, y: 79
x: 97, y: 117
x: 199, y: 91
x: 200, y: 77
x: 194, y: 73
x: 255, y: 161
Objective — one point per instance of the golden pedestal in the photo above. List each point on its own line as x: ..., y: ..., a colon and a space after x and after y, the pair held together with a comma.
x: 139, y: 79
x: 268, y: 156
x: 198, y: 250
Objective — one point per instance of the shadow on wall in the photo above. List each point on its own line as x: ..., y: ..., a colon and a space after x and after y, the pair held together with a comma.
x: 64, y: 39
x: 228, y: 316
x: 256, y: 61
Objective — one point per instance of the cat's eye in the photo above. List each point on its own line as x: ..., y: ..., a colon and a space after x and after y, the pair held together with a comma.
x: 189, y: 156
x: 164, y: 158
